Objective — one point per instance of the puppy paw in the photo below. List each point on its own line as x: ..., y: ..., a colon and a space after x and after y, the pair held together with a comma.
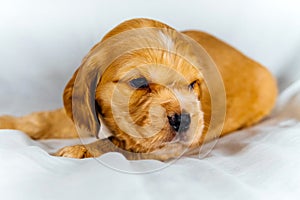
x: 76, y: 151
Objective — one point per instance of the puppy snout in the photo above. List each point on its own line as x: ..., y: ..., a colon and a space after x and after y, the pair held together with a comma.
x: 180, y: 122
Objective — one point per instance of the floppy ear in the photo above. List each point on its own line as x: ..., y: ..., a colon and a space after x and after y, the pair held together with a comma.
x: 67, y: 95
x: 80, y: 104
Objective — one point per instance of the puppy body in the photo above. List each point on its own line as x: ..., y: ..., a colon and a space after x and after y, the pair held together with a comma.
x: 250, y: 95
x: 251, y: 90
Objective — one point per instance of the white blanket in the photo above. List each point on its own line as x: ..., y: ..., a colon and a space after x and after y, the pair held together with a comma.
x: 42, y: 44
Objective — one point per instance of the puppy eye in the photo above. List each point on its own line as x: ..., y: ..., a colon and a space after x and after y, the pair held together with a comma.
x: 192, y: 85
x: 139, y: 83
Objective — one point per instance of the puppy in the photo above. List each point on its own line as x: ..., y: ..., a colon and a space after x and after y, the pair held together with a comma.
x: 154, y: 102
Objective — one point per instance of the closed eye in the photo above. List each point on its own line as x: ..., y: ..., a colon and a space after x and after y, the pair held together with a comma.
x: 139, y: 83
x: 192, y: 85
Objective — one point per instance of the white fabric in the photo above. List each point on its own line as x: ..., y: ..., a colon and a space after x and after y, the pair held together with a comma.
x: 43, y: 43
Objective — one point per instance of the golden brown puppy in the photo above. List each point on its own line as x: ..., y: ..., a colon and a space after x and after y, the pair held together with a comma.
x: 153, y: 99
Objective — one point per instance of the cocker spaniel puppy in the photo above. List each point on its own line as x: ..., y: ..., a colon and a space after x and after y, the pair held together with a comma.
x: 149, y: 91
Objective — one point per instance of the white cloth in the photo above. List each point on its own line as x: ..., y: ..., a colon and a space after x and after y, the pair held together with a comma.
x: 42, y: 44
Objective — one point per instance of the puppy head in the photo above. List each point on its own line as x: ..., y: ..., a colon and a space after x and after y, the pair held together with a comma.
x: 146, y: 97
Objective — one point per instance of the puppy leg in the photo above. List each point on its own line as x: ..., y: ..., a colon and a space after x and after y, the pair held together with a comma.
x: 42, y: 125
x: 98, y: 148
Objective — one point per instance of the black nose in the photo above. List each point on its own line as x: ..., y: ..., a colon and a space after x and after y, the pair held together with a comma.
x: 180, y: 123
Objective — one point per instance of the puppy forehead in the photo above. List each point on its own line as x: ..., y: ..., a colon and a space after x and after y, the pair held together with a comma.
x: 167, y: 74
x: 153, y: 64
x: 160, y: 73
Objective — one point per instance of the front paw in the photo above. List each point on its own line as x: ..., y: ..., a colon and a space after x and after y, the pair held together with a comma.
x: 76, y: 151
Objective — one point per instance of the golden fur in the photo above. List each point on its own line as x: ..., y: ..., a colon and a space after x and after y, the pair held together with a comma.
x: 250, y: 95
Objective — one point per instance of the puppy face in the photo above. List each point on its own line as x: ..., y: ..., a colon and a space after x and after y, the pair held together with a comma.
x: 151, y: 98
x: 146, y: 97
